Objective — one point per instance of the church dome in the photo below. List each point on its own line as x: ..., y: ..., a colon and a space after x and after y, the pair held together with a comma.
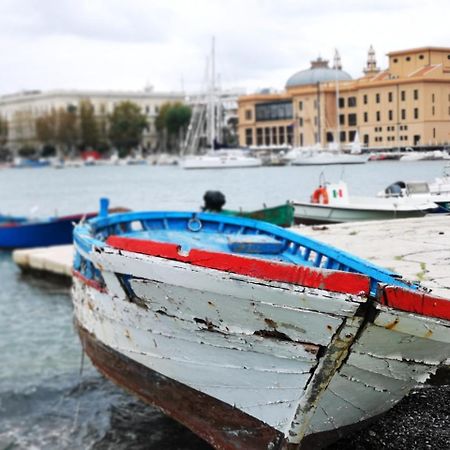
x: 319, y: 72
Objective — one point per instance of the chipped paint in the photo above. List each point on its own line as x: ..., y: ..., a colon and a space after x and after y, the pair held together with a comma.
x: 285, y: 361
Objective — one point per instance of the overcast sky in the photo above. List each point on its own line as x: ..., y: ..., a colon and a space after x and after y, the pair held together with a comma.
x: 126, y: 44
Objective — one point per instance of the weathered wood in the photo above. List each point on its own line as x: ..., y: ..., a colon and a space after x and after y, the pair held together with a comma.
x: 227, y: 314
x: 256, y: 290
x: 416, y: 302
x: 346, y: 282
x: 267, y: 385
x: 222, y: 425
x: 300, y: 359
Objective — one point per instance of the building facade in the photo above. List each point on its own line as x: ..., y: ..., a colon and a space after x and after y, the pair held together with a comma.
x: 22, y: 109
x: 405, y: 105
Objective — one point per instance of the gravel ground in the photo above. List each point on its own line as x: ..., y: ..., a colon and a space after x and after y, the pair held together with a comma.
x: 419, y: 421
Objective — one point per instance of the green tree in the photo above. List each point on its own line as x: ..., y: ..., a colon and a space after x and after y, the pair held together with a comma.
x: 177, y: 118
x: 67, y: 131
x: 3, y: 131
x: 88, y: 125
x: 58, y: 129
x: 171, y: 124
x: 126, y: 125
x: 47, y: 128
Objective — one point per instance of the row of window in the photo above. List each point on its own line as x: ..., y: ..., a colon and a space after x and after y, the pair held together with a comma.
x: 284, y: 111
x: 273, y: 111
x: 270, y: 136
x: 391, y: 128
x: 408, y: 58
x: 390, y: 138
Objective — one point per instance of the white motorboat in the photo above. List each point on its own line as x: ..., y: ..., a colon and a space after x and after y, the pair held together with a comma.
x: 331, y: 203
x: 432, y: 155
x: 323, y: 157
x: 221, y: 159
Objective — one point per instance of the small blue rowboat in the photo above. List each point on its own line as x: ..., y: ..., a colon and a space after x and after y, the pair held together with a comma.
x: 251, y: 335
x: 23, y: 232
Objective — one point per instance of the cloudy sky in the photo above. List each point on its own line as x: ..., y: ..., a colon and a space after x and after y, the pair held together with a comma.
x: 126, y: 44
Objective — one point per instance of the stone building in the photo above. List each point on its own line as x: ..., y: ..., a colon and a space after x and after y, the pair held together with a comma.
x: 405, y: 105
x: 22, y: 109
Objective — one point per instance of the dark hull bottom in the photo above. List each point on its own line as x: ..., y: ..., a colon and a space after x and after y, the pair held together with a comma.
x: 223, y: 426
x: 218, y: 423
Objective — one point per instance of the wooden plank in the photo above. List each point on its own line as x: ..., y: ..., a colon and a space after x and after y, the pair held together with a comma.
x: 379, y: 382
x: 419, y: 326
x: 344, y: 282
x: 239, y: 378
x: 385, y: 343
x: 416, y: 302
x: 395, y: 369
x: 222, y: 425
x: 346, y: 402
x: 226, y: 314
x: 189, y: 276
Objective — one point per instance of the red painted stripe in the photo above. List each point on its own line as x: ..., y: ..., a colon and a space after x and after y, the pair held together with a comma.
x: 89, y: 282
x: 416, y: 302
x: 335, y: 281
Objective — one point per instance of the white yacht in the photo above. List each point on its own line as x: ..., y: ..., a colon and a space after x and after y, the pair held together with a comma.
x: 221, y: 159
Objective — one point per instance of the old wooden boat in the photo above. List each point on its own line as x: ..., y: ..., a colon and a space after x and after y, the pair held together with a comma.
x: 331, y: 203
x: 281, y: 215
x: 251, y: 335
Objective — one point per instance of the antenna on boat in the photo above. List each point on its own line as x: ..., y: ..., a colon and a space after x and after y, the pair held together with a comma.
x: 322, y: 179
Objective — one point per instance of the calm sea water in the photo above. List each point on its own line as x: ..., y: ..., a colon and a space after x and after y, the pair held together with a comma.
x: 50, y: 397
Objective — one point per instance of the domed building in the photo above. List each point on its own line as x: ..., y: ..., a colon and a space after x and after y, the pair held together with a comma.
x: 319, y: 72
x: 386, y: 108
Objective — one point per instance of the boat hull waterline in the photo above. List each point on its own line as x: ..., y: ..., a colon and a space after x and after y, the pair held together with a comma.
x: 243, y: 360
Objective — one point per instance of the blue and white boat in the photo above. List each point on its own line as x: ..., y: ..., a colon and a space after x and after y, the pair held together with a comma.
x: 249, y: 334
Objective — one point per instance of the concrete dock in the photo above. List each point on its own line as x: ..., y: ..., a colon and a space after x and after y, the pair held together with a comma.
x: 56, y: 260
x: 418, y: 249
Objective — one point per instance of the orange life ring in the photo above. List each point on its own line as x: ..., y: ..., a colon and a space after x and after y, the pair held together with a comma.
x: 320, y: 195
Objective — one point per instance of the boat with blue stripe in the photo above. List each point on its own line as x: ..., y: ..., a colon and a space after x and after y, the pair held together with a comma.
x: 251, y: 335
x: 234, y: 235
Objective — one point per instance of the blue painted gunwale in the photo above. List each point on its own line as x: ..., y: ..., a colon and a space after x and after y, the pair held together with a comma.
x: 300, y: 250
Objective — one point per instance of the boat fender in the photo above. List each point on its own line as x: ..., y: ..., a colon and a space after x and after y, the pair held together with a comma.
x: 320, y: 195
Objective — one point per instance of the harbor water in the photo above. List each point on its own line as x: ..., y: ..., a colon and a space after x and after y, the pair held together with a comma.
x: 50, y: 395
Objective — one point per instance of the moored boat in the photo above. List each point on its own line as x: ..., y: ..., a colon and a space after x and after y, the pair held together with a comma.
x: 281, y: 215
x: 251, y: 335
x: 331, y: 203
x: 221, y: 159
x: 25, y: 232
x: 324, y: 158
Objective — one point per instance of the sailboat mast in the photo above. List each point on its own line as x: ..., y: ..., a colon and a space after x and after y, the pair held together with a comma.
x: 212, y: 102
x: 338, y: 125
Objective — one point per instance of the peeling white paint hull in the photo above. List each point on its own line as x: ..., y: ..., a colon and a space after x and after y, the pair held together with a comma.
x: 300, y: 360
